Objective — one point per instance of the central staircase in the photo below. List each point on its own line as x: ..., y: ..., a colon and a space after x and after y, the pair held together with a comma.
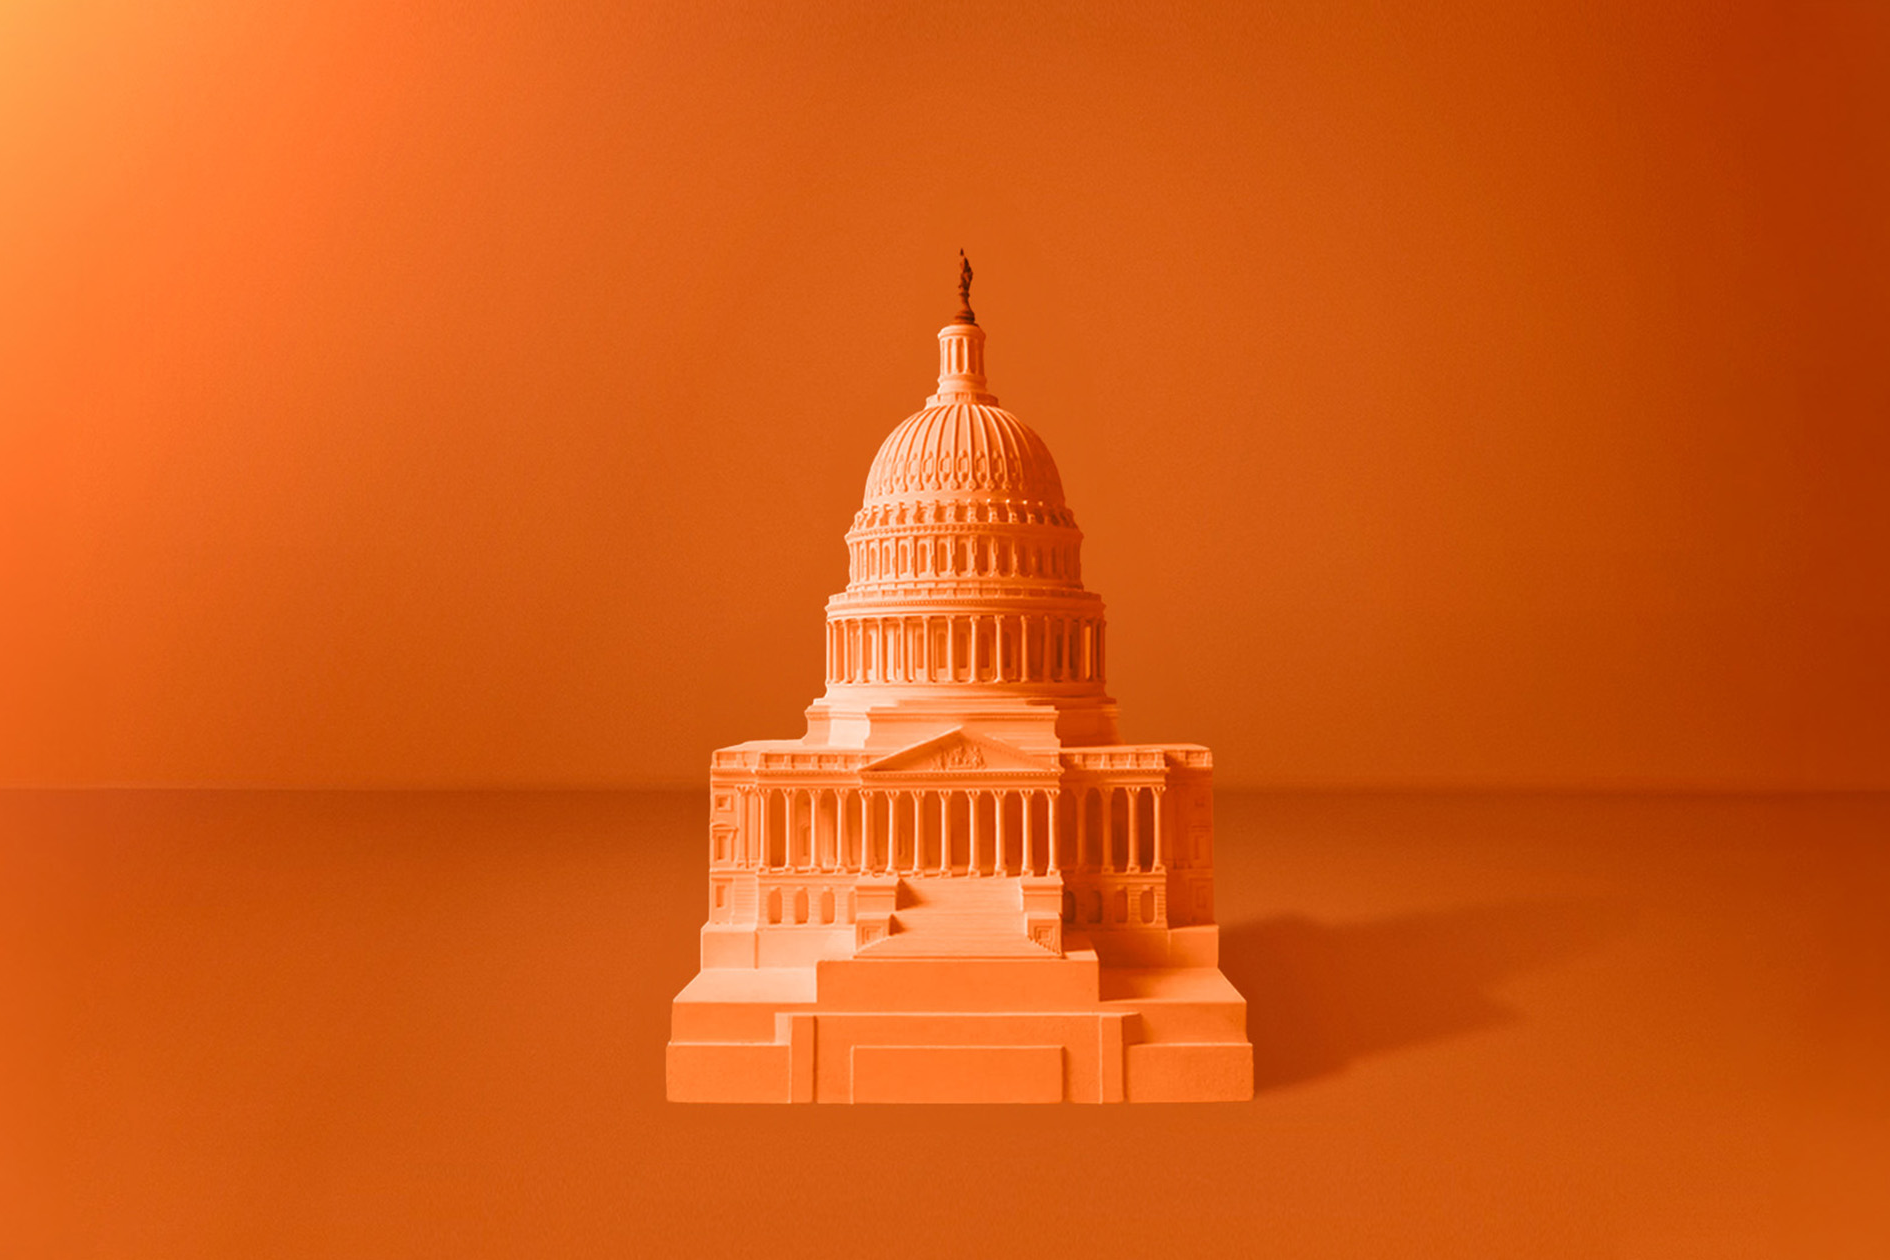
x: 957, y: 917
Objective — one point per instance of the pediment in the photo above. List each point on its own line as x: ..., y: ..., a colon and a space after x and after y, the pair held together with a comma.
x: 958, y: 752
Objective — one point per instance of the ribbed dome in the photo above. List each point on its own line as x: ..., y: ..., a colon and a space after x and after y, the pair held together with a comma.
x: 964, y: 448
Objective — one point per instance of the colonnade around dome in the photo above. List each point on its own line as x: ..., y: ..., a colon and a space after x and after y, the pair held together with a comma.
x: 966, y: 647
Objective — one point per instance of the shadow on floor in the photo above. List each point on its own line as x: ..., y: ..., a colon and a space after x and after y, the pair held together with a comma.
x: 1320, y: 996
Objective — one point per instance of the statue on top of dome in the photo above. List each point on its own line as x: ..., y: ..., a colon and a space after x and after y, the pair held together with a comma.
x: 964, y: 290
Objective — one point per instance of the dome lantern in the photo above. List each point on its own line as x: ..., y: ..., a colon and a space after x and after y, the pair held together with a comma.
x: 961, y: 351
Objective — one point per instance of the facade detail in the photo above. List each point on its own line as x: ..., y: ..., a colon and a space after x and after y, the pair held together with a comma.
x: 959, y: 886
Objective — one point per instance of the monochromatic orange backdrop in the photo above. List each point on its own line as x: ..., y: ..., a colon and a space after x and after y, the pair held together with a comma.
x: 1452, y: 395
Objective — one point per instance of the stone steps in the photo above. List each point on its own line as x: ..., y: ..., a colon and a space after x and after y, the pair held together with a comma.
x: 958, y: 918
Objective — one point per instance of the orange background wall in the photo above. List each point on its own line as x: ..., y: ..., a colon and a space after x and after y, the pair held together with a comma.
x: 1452, y: 395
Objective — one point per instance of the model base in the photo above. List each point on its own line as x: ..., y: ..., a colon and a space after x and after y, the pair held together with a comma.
x: 1002, y: 1029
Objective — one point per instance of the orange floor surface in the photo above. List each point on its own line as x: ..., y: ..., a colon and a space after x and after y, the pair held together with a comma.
x: 432, y: 1024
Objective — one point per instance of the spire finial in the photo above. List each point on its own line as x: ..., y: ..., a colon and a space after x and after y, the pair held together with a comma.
x: 964, y: 290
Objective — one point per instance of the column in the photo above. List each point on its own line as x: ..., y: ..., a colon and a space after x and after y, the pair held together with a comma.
x: 931, y: 661
x: 944, y: 829
x: 892, y: 832
x: 839, y: 830
x: 1160, y: 859
x: 917, y: 831
x: 885, y: 837
x: 1108, y: 829
x: 857, y: 802
x: 813, y: 828
x: 951, y: 650
x: 830, y: 860
x: 971, y: 816
x: 1067, y: 671
x: 1030, y: 862
x: 911, y: 803
x: 997, y: 800
x: 1055, y: 835
x: 761, y: 830
x: 1135, y: 829
x: 793, y: 827
x: 971, y: 643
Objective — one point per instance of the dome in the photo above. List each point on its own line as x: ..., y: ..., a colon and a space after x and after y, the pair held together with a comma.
x: 960, y: 449
x: 962, y: 444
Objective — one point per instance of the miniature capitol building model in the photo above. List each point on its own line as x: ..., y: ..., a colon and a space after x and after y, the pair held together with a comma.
x: 958, y: 886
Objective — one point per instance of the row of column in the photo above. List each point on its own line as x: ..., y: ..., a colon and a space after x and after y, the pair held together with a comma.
x: 856, y: 843
x: 1104, y: 794
x: 973, y: 647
